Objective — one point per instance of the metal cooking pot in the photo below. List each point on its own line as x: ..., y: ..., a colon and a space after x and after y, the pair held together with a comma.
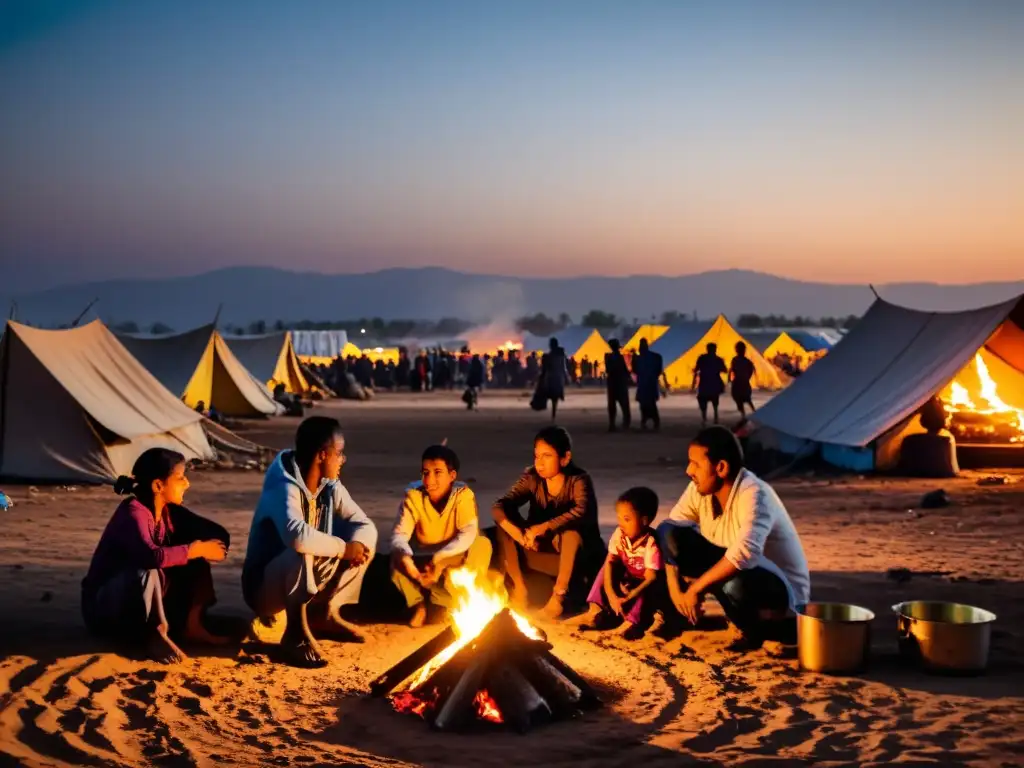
x: 944, y: 637
x: 833, y: 637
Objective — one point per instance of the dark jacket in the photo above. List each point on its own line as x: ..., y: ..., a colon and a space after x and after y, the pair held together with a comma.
x: 575, y: 508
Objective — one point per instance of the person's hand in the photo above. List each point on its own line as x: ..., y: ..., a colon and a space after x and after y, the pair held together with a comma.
x: 355, y: 553
x: 429, y: 576
x: 533, y: 533
x: 615, y: 603
x: 689, y: 605
x: 211, y: 550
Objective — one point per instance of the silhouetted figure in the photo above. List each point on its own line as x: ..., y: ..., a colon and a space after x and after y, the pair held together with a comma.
x: 741, y: 374
x: 617, y: 385
x: 553, y: 375
x: 707, y: 380
x: 474, y: 382
x: 649, y: 368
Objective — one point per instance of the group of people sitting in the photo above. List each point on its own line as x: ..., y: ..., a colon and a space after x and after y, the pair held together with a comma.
x: 310, y: 545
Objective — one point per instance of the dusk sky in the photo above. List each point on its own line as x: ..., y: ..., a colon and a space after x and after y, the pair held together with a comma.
x: 862, y: 141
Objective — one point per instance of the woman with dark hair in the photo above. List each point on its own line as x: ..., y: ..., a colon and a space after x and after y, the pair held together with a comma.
x: 559, y: 535
x: 150, y: 575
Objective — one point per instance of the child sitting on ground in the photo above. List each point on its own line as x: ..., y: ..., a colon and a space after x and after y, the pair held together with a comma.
x: 624, y: 588
x: 437, y: 530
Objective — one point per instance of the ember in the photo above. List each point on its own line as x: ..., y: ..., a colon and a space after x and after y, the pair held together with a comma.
x: 491, y: 665
x: 487, y: 708
x: 984, y: 417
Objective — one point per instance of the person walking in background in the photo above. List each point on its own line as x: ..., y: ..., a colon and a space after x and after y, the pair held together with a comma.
x: 707, y: 380
x: 617, y: 383
x: 650, y: 373
x: 741, y: 374
x: 553, y: 375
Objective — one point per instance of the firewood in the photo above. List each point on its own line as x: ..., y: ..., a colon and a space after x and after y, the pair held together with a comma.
x: 458, y: 705
x: 493, y: 641
x: 401, y: 671
x: 561, y: 694
x: 520, y: 704
x: 589, y: 698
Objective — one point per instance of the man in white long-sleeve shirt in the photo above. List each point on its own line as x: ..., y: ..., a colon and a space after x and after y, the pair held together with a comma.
x: 309, y: 545
x: 437, y: 530
x: 730, y: 535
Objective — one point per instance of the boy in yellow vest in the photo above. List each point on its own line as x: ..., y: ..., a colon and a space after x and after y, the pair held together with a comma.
x: 437, y: 529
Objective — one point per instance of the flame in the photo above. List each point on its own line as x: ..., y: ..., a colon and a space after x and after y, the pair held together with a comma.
x: 960, y: 399
x: 406, y: 701
x: 487, y: 707
x: 476, y: 602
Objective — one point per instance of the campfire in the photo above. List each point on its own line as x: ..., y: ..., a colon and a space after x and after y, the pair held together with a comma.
x: 490, y: 665
x: 983, y: 417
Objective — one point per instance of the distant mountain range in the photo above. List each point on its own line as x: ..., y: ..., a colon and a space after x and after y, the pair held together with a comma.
x: 253, y: 293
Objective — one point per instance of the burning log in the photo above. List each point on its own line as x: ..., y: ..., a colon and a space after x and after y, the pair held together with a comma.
x: 456, y: 709
x: 518, y: 701
x: 401, y: 672
x: 501, y: 675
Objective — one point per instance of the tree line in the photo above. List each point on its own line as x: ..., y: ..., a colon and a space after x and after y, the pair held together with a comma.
x: 539, y: 324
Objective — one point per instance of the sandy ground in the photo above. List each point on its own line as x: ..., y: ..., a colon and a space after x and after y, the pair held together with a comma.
x: 65, y: 700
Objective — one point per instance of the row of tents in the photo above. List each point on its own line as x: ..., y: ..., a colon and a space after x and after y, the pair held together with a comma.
x: 79, y: 405
x: 679, y: 345
x: 682, y: 343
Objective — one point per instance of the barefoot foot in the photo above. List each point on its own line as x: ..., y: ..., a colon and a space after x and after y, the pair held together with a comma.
x: 161, y: 648
x: 196, y: 632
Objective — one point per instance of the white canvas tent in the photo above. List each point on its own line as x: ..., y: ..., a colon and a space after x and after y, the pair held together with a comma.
x: 199, y: 367
x: 75, y: 406
x: 271, y: 359
x: 859, y: 401
x: 319, y: 344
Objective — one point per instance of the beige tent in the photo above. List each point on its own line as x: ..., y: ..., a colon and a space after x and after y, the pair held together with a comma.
x: 270, y: 358
x: 858, y: 403
x: 75, y: 406
x: 199, y: 367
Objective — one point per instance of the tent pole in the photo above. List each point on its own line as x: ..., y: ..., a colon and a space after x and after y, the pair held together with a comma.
x: 77, y: 320
x: 874, y: 291
x: 216, y: 317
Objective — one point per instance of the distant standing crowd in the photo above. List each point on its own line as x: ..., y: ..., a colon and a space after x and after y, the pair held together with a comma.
x: 550, y: 374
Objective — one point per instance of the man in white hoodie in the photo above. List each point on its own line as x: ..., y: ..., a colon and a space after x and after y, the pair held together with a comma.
x: 309, y: 545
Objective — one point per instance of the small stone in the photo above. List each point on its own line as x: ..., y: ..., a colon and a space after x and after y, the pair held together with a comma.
x: 934, y: 499
x: 47, y: 596
x: 899, y: 575
x: 992, y: 480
